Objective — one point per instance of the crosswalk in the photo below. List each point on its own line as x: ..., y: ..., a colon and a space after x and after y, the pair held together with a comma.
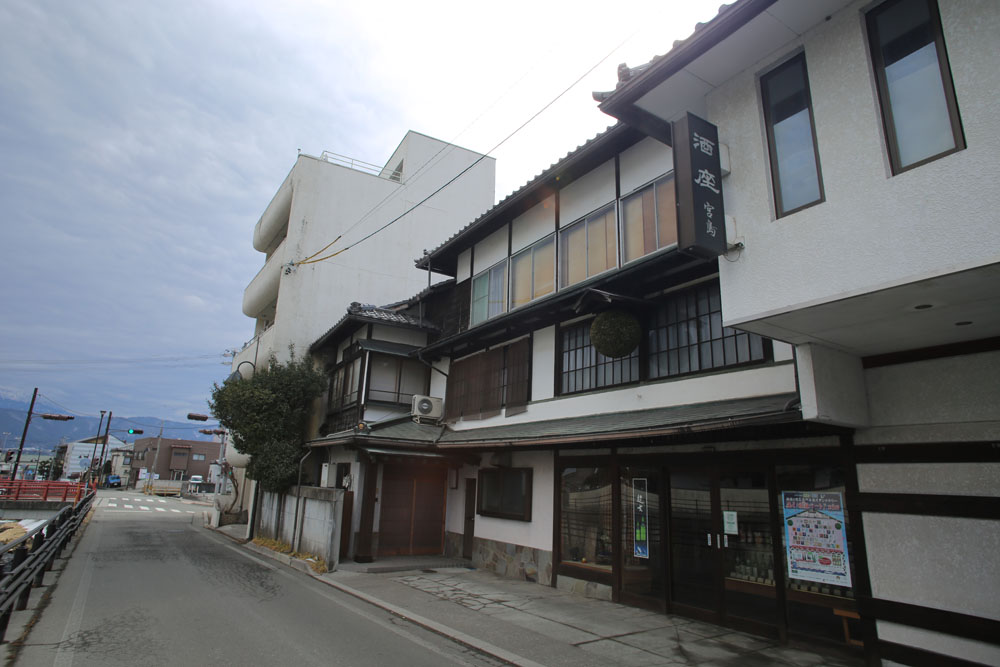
x: 139, y: 504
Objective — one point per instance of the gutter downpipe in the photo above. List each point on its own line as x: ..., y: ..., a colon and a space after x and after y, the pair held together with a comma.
x: 298, y: 499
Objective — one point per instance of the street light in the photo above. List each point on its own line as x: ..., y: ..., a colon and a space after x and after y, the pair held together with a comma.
x: 27, y: 422
x: 236, y: 375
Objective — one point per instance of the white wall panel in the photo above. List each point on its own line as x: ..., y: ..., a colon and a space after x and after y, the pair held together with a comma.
x: 643, y: 162
x: 587, y: 193
x: 533, y: 224
x: 490, y: 250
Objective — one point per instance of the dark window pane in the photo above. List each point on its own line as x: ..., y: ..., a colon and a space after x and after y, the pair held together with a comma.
x: 915, y: 89
x: 794, y: 164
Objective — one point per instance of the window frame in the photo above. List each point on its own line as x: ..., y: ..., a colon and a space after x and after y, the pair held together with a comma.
x: 772, y: 155
x: 563, y: 256
x: 501, y: 472
x: 882, y: 85
x: 504, y: 283
x: 532, y: 249
x: 597, y: 362
x: 344, y: 386
x: 704, y: 322
x: 481, y: 385
x: 638, y: 192
x: 401, y: 364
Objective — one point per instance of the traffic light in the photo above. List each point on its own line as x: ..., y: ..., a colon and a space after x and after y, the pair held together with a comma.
x: 135, y: 431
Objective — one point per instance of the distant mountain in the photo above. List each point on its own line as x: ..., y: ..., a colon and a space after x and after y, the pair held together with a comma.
x: 47, y: 434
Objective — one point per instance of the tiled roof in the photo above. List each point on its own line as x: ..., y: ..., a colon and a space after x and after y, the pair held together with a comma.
x: 364, y: 312
x: 626, y: 73
x: 527, y: 187
x: 590, y: 428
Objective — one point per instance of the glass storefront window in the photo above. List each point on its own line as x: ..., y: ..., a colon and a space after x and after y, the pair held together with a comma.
x: 586, y: 517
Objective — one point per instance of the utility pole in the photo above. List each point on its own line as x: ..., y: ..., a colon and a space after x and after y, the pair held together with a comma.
x: 100, y: 462
x: 97, y: 438
x: 24, y: 434
x: 156, y: 457
x: 27, y: 421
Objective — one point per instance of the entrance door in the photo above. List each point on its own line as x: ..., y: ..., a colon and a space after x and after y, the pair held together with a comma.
x: 642, y: 548
x: 722, y: 546
x: 411, y: 514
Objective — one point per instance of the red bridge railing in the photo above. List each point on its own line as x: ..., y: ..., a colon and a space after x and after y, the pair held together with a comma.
x: 24, y: 489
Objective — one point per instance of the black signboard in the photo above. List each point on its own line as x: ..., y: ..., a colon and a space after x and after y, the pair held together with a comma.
x: 701, y: 219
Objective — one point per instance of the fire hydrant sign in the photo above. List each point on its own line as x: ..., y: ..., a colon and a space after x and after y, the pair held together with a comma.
x: 815, y: 537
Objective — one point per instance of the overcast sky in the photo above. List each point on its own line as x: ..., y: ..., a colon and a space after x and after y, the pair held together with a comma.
x: 141, y: 141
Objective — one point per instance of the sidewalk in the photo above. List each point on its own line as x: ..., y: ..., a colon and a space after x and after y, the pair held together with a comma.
x: 523, y: 623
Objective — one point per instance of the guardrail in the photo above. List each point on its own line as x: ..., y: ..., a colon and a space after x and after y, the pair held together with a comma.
x: 33, y: 556
x: 24, y: 489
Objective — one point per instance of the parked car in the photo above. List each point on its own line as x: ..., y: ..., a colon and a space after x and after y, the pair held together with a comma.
x: 113, y: 482
x: 196, y: 479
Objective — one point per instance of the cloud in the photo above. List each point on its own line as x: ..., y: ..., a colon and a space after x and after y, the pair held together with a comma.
x: 140, y: 142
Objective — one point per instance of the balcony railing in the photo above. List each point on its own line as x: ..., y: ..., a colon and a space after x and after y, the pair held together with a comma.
x: 359, y: 165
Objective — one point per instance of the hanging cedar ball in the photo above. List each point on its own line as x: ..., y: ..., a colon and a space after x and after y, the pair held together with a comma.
x: 615, y: 333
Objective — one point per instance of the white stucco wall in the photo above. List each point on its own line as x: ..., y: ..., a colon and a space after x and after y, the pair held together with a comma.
x: 490, y: 250
x: 939, y: 562
x: 874, y: 229
x: 937, y: 400
x: 587, y: 193
x: 464, y: 269
x: 329, y: 199
x: 533, y: 224
x: 831, y: 386
x: 398, y: 335
x: 536, y: 533
x: 543, y: 355
x: 640, y: 164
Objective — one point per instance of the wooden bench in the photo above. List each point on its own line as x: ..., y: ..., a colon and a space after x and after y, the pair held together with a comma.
x: 844, y: 615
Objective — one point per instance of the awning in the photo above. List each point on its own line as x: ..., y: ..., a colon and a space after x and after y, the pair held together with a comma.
x: 608, y: 427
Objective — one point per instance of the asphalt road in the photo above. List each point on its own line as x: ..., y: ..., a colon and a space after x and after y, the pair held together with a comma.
x: 149, y: 585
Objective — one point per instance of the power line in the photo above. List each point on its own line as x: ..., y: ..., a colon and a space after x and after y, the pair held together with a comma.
x: 461, y: 173
x: 144, y: 360
x: 451, y: 145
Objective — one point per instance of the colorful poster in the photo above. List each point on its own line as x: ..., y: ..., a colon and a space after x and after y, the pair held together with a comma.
x: 640, y: 518
x: 815, y: 537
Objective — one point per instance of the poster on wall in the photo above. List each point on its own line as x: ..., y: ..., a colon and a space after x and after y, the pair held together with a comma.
x: 640, y: 518
x: 815, y: 537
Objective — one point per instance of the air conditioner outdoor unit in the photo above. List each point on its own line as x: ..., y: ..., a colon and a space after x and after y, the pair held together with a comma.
x: 427, y: 407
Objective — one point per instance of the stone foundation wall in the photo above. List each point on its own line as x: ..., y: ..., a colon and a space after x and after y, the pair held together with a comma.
x: 227, y: 518
x: 507, y: 560
x: 453, y: 543
x: 589, y: 589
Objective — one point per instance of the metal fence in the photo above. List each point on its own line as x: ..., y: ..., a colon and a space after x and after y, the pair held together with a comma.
x: 24, y: 562
x: 23, y: 489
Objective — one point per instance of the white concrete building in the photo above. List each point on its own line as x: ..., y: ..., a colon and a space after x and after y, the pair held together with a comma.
x: 79, y: 454
x: 328, y: 203
x: 864, y: 194
x: 801, y: 439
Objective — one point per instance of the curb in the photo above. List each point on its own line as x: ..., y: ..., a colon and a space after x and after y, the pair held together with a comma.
x: 426, y: 623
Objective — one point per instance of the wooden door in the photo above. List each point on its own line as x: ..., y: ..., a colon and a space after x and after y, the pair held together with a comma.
x: 412, y: 506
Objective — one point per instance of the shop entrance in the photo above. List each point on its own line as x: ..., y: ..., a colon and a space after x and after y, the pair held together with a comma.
x: 722, y: 546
